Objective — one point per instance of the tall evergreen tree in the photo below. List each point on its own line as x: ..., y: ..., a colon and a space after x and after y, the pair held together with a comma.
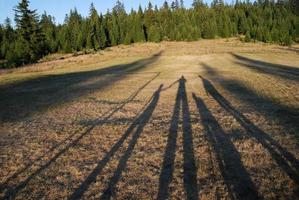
x: 30, y: 45
x: 93, y: 37
x: 8, y: 37
x: 48, y: 27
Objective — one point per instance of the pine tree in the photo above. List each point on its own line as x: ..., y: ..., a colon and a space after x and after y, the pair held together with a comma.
x: 167, y: 22
x: 72, y: 40
x: 209, y: 30
x: 65, y: 38
x: 30, y: 34
x: 120, y: 26
x: 49, y: 29
x: 102, y: 33
x: 149, y: 20
x: 139, y: 26
x: 8, y: 37
x: 32, y: 38
x: 117, y: 24
x: 26, y: 20
x: 93, y: 36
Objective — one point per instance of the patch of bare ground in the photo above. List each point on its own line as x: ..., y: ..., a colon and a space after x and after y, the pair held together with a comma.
x: 213, y: 119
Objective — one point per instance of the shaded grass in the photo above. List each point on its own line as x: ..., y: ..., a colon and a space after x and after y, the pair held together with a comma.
x: 189, y: 166
x: 285, y: 115
x: 22, y: 99
x: 12, y: 192
x: 285, y: 160
x: 235, y: 175
x: 137, y: 124
x: 283, y: 71
x: 169, y: 151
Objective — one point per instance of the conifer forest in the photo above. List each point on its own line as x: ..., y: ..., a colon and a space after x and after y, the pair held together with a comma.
x: 191, y: 100
x: 36, y: 36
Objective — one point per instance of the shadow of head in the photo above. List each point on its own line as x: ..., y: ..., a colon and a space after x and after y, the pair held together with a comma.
x: 274, y: 69
x: 182, y: 79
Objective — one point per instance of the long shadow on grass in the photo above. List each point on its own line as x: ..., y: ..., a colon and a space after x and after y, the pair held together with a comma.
x: 283, y: 158
x: 237, y: 179
x: 70, y: 141
x: 285, y: 115
x: 138, y: 125
x: 22, y: 99
x: 283, y: 71
x: 190, y: 169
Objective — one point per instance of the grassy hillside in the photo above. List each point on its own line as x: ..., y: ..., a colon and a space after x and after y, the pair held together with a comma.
x: 208, y: 119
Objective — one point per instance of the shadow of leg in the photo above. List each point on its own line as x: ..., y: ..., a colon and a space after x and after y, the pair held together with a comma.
x: 70, y: 141
x: 285, y: 160
x: 169, y: 155
x: 140, y: 124
x: 235, y: 176
x: 78, y: 193
x: 190, y: 169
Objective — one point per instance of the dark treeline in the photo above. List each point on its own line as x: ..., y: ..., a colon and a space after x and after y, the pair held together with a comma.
x: 35, y: 36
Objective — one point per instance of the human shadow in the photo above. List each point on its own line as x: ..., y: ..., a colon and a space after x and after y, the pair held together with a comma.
x: 284, y: 159
x: 286, y: 116
x: 283, y: 71
x: 70, y: 141
x: 190, y: 169
x: 237, y: 179
x: 138, y: 125
x: 24, y: 98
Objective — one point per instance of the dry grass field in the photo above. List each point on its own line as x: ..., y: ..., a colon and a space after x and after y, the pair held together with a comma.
x: 213, y: 119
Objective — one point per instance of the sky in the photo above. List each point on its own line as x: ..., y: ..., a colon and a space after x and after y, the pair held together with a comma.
x: 58, y: 8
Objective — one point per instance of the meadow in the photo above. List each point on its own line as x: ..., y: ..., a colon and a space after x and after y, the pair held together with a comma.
x: 211, y: 119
